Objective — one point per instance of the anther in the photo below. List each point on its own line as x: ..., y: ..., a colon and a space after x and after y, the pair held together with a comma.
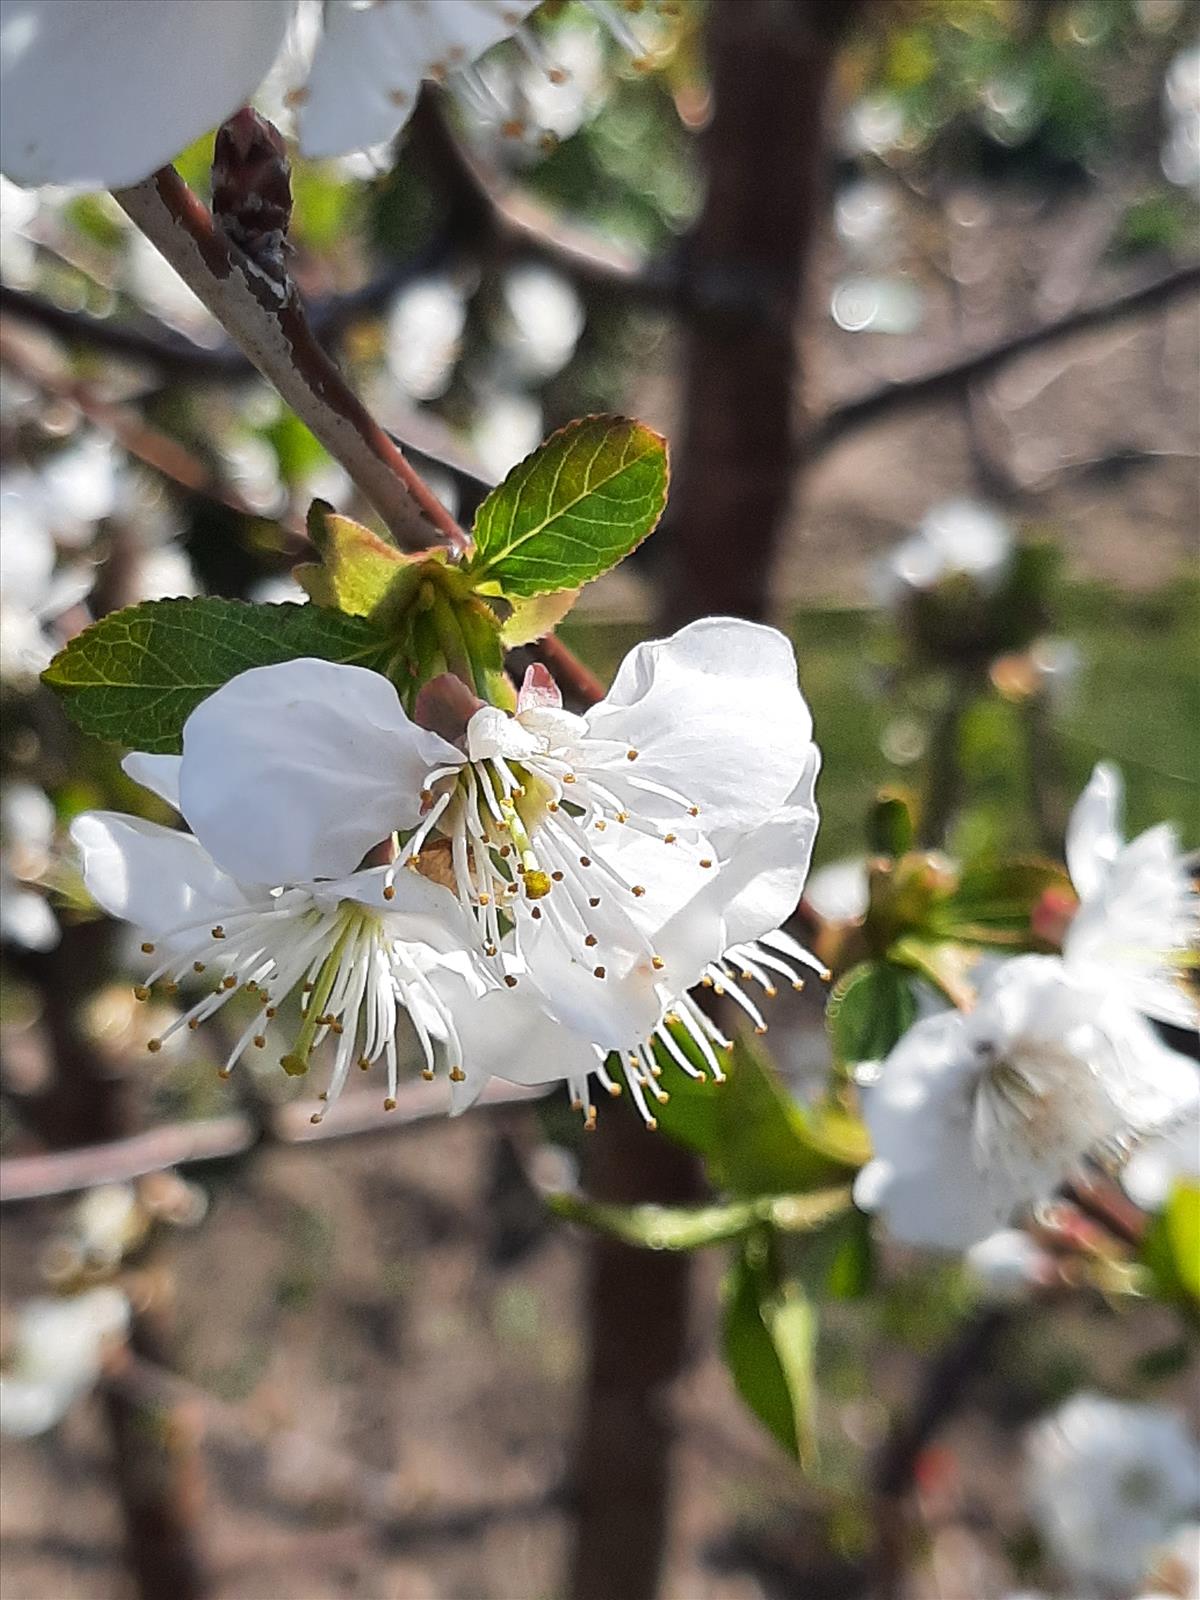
x: 229, y: 982
x: 218, y: 932
x: 170, y: 988
x: 761, y: 1028
x: 601, y: 825
x: 389, y: 1104
x: 706, y: 861
x: 598, y: 972
x: 591, y: 941
x: 193, y: 1024
x: 510, y: 980
x: 631, y: 755
x: 147, y: 949
x: 669, y: 838
x: 536, y: 913
x: 427, y: 1074
x: 154, y: 1046
x: 585, y: 861
x: 389, y: 891
x: 638, y: 890
x: 594, y: 901
x: 657, y: 963
x: 197, y: 966
x: 552, y: 805
x: 364, y: 1063
x: 224, y: 1073
x: 693, y: 811
x: 141, y: 992
x: 271, y: 1011
x: 486, y: 899
x: 260, y: 1042
x: 557, y: 876
x: 568, y: 777
x: 622, y: 816
x: 457, y: 1075
x: 317, y: 1118
x: 614, y: 1090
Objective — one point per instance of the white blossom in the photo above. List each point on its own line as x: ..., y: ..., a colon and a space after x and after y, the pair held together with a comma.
x: 34, y: 588
x: 1138, y: 923
x: 101, y: 95
x: 356, y: 950
x: 1007, y: 1265
x: 1108, y: 1484
x: 57, y: 1348
x: 1160, y: 1163
x: 974, y: 1116
x: 659, y: 840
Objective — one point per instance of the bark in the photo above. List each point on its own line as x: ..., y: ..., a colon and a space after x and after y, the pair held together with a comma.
x: 765, y: 162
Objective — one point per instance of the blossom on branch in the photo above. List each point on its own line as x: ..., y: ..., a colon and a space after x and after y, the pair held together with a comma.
x: 975, y: 1116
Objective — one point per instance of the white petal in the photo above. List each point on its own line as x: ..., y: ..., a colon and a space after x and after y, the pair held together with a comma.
x: 714, y: 713
x: 371, y: 59
x: 159, y: 774
x: 1094, y: 836
x: 102, y: 94
x: 418, y: 911
x: 151, y: 876
x: 293, y: 772
x: 26, y: 919
x: 505, y: 1034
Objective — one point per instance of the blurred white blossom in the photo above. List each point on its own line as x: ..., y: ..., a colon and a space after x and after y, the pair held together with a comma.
x: 424, y: 329
x: 1109, y: 1483
x: 55, y: 1356
x: 34, y: 589
x: 27, y: 823
x: 545, y: 319
x: 956, y: 539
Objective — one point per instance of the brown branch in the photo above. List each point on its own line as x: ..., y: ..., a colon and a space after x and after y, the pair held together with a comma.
x: 501, y: 219
x: 943, y: 1388
x: 272, y: 330
x: 36, y: 1177
x: 902, y: 393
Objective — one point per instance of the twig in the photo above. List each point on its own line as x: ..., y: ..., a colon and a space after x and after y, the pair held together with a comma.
x: 37, y: 1177
x: 942, y: 1390
x: 271, y: 328
x: 902, y: 393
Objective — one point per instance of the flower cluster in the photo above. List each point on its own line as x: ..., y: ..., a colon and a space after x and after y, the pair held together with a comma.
x: 976, y: 1115
x: 528, y: 893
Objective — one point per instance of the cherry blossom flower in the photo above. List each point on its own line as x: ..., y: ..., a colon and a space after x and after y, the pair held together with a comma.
x: 358, y: 957
x: 27, y: 825
x: 34, y: 588
x: 976, y: 1116
x: 102, y: 95
x: 1108, y: 1484
x: 604, y: 863
x: 57, y: 1349
x: 1138, y: 922
x: 956, y: 539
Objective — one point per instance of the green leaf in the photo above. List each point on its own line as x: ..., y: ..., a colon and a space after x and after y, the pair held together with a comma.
x: 755, y: 1139
x: 653, y: 1227
x: 571, y: 510
x: 769, y: 1335
x: 357, y: 567
x: 871, y: 1006
x: 136, y: 675
x: 1171, y: 1249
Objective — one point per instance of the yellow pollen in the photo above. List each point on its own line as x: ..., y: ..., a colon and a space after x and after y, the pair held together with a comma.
x: 552, y: 805
x: 590, y: 1125
x: 364, y: 1063
x: 693, y: 811
x: 389, y: 1104
x: 568, y: 777
x: 427, y: 1074
x: 486, y: 899
x: 770, y: 991
x: 797, y: 984
x: 718, y: 988
x: 657, y: 963
x: 147, y: 949
x: 141, y: 992
x: 668, y: 838
x: 706, y: 982
x: 389, y: 891
x: 537, y: 884
x: 154, y: 1046
x: 614, y: 1090
x: 600, y: 826
x: 639, y: 890
x: 631, y: 755
x: 229, y: 983
x: 652, y: 1124
x: 224, y: 1073
x: 705, y: 861
x: 761, y: 1028
x: 457, y: 1075
x: 622, y: 816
